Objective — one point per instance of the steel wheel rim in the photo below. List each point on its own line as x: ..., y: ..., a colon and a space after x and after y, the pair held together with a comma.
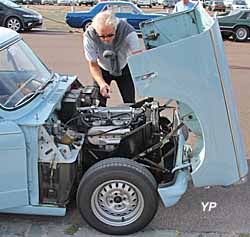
x: 241, y: 33
x: 14, y: 24
x: 117, y: 203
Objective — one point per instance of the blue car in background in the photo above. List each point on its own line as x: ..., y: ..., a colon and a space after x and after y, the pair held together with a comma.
x: 124, y: 10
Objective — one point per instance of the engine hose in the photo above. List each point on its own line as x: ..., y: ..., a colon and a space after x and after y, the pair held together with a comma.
x: 84, y: 122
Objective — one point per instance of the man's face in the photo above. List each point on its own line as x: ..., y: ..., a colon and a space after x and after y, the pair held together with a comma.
x: 106, y: 34
x: 185, y: 1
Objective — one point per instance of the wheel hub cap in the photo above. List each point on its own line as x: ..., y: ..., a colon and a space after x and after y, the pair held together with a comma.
x: 14, y: 24
x: 241, y: 33
x: 117, y: 202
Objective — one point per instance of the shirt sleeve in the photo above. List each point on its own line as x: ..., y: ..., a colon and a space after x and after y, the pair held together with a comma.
x: 133, y: 42
x: 89, y: 49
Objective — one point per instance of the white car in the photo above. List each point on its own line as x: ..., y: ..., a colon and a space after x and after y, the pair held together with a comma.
x: 49, y: 2
x: 66, y: 2
x: 143, y: 3
x: 154, y: 2
x: 228, y: 3
x: 239, y: 4
x: 168, y: 4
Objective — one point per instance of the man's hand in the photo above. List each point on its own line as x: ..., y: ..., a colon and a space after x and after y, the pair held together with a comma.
x: 97, y: 75
x: 105, y: 90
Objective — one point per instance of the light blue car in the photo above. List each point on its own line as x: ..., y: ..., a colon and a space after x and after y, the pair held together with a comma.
x: 118, y: 162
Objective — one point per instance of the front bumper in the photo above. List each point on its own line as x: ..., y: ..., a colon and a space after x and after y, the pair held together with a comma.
x: 172, y: 194
x: 32, y: 23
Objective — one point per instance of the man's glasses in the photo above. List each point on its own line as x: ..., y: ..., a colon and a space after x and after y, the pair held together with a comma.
x: 106, y: 36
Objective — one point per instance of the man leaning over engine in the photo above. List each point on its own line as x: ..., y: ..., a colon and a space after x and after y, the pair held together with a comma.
x: 108, y: 42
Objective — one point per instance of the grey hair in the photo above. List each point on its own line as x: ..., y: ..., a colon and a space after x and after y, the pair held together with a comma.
x: 105, y: 18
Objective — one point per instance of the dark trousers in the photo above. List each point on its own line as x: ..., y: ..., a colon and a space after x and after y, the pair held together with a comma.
x: 124, y: 83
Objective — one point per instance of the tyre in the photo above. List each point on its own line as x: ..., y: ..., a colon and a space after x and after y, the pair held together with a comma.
x: 86, y: 25
x: 241, y: 33
x: 14, y: 23
x: 117, y: 196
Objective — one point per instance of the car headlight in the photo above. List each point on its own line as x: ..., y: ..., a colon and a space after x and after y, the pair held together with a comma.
x: 33, y: 16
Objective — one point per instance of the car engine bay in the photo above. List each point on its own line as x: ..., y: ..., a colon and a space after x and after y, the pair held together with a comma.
x: 81, y: 134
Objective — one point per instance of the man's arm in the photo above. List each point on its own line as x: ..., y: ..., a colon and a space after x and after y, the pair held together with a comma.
x: 94, y: 68
x: 97, y: 76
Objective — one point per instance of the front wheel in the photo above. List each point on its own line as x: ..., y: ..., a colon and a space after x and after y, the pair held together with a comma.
x: 241, y: 33
x: 14, y: 23
x: 117, y: 196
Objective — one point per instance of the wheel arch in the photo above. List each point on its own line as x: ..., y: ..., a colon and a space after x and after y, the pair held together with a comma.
x: 241, y: 25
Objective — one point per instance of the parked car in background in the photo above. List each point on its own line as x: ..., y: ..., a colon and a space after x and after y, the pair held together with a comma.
x: 154, y: 2
x: 144, y: 3
x: 124, y: 10
x: 86, y: 2
x: 217, y: 5
x: 48, y: 2
x: 235, y: 23
x: 27, y: 1
x: 18, y: 18
x: 207, y: 3
x: 228, y: 3
x: 31, y: 2
x: 239, y: 4
x: 17, y: 1
x: 64, y: 2
x: 168, y: 4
